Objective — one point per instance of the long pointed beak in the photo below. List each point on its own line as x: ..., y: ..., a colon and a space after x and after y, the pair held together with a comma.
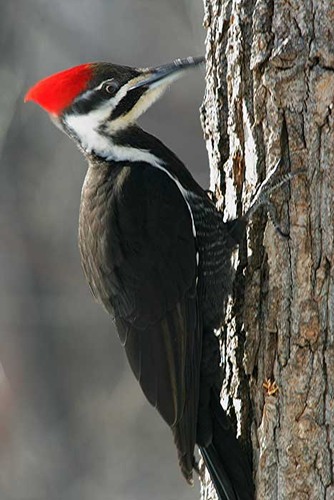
x: 167, y: 73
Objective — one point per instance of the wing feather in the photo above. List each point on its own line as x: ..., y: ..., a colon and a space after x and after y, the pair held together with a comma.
x: 148, y: 273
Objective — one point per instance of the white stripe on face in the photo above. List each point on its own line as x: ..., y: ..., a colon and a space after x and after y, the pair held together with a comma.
x: 86, y: 128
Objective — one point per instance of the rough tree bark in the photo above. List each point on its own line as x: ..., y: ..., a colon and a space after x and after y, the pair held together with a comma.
x: 270, y: 94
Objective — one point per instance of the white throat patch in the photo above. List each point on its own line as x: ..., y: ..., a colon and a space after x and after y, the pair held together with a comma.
x: 85, y: 128
x: 102, y: 145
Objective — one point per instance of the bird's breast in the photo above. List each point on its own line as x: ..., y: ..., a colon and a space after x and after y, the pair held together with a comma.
x: 96, y: 207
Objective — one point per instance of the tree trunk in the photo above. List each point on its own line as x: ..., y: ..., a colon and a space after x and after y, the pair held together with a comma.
x: 270, y: 94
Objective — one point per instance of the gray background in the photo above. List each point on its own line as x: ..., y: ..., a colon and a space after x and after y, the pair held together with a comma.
x: 73, y: 422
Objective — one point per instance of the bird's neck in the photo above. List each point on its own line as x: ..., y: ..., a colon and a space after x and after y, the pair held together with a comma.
x: 130, y: 145
x: 134, y: 146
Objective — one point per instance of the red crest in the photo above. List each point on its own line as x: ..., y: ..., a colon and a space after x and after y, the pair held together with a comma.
x: 57, y: 91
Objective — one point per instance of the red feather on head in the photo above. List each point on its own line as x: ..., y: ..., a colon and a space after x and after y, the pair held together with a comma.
x: 54, y: 93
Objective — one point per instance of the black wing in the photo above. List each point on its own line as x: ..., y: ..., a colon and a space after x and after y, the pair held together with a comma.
x: 152, y: 276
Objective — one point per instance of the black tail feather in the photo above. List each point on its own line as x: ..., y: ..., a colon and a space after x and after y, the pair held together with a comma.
x: 223, y: 485
x: 227, y: 464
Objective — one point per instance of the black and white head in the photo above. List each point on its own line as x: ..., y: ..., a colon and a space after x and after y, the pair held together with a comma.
x: 94, y: 101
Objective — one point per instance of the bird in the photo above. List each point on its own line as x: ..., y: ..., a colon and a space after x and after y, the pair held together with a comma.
x: 156, y: 253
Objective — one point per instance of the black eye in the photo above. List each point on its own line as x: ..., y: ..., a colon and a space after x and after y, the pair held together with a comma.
x: 110, y: 87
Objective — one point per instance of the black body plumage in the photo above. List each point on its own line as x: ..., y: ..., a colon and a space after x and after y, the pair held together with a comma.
x: 156, y: 254
x: 166, y: 283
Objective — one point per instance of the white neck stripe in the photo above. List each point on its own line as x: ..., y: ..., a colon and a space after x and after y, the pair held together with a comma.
x: 183, y: 191
x: 126, y: 153
x: 93, y: 141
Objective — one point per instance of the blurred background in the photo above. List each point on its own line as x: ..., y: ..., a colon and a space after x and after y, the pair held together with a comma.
x: 73, y: 421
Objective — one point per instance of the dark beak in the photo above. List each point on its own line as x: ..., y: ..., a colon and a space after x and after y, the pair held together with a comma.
x: 167, y: 73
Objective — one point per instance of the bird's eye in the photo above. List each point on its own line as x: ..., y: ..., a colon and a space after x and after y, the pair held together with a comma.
x: 110, y: 87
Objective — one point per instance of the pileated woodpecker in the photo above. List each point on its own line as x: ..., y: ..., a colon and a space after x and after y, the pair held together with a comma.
x: 156, y: 254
